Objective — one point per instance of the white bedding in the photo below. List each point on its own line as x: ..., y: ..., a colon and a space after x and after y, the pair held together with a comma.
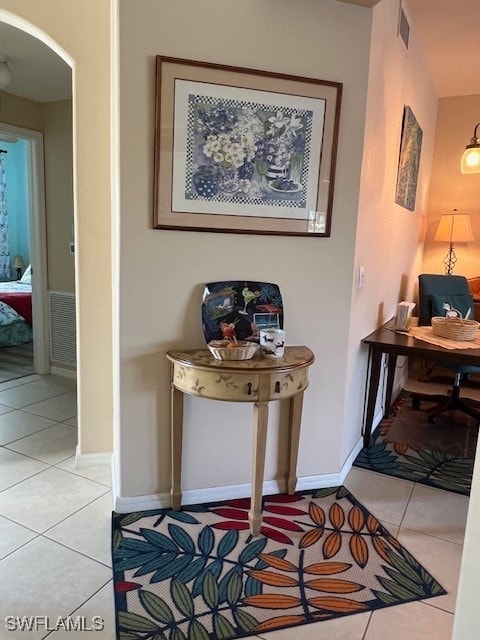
x: 15, y: 287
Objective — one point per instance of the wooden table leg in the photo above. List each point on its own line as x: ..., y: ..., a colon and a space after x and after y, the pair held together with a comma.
x: 259, y: 441
x: 392, y: 364
x: 375, y: 357
x: 295, y: 418
x: 176, y: 423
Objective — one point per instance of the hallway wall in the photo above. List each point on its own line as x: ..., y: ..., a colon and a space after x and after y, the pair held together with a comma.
x: 162, y: 272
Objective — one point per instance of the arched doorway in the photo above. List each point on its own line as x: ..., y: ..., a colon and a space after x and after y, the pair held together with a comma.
x: 39, y: 92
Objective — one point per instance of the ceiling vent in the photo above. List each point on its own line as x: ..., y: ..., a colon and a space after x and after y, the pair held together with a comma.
x: 403, y: 26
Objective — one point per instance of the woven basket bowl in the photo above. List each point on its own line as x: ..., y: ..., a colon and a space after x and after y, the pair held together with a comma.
x: 225, y: 350
x: 455, y: 328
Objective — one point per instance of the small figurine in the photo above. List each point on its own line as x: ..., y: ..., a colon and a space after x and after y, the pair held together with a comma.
x: 228, y: 330
x: 450, y: 312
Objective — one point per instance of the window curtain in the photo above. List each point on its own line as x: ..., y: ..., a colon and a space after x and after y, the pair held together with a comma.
x: 4, y: 247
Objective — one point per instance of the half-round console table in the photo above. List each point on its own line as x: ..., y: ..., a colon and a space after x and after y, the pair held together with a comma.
x: 258, y: 381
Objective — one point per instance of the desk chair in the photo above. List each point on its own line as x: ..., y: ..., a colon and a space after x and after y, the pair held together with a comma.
x: 434, y: 291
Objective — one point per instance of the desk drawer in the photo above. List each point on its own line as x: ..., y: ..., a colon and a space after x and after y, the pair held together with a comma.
x: 284, y: 385
x: 218, y: 386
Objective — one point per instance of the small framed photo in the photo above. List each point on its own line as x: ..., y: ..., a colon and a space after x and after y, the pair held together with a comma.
x: 243, y: 151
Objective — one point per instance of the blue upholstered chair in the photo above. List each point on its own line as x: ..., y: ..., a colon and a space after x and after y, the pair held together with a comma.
x: 434, y: 291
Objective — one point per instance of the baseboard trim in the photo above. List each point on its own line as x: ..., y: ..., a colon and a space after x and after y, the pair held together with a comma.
x: 92, y: 459
x: 231, y: 492
x: 63, y: 372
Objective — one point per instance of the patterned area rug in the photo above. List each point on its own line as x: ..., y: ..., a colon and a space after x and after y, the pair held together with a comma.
x: 407, y: 446
x: 198, y: 574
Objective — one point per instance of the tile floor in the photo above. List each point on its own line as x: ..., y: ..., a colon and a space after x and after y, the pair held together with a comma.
x: 55, y: 529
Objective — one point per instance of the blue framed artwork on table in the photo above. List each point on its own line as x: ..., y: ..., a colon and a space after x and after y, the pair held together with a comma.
x: 238, y: 150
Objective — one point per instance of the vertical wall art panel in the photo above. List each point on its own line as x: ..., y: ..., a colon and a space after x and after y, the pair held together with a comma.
x: 409, y: 161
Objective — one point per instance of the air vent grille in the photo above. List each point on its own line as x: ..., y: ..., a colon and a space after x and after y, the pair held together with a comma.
x: 62, y: 328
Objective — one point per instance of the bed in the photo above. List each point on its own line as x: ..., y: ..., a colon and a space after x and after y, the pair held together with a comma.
x: 16, y: 311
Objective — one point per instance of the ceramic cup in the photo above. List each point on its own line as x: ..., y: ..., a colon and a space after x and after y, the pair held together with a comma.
x: 272, y: 343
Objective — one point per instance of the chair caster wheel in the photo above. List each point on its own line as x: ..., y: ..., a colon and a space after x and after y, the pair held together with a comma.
x: 432, y: 419
x: 415, y: 403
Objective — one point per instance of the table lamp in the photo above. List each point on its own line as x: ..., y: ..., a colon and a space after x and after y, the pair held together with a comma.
x: 453, y: 227
x: 18, y: 263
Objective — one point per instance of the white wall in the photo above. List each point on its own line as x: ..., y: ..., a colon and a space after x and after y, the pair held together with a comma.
x: 389, y: 237
x: 162, y: 272
x: 59, y: 194
x: 450, y: 189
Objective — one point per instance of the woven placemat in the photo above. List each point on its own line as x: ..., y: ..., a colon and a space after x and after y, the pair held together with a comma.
x: 426, y: 334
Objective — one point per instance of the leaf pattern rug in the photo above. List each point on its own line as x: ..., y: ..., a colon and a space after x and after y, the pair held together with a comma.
x: 406, y: 446
x: 198, y: 574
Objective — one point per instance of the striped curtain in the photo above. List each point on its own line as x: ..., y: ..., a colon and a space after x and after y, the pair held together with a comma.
x: 4, y: 248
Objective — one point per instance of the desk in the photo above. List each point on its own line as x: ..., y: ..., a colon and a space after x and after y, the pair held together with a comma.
x: 257, y: 381
x: 384, y: 340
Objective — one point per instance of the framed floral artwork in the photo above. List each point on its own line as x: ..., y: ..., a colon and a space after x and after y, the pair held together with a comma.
x: 243, y: 151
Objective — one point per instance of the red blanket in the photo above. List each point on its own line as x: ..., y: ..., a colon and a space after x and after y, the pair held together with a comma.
x: 21, y: 302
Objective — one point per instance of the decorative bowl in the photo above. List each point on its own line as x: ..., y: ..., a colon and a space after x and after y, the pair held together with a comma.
x: 455, y: 328
x: 229, y: 350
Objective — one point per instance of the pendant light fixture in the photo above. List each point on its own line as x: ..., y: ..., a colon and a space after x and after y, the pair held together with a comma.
x: 5, y: 73
x: 471, y: 156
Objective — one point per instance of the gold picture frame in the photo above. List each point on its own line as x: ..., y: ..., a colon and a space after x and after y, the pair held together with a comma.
x: 243, y: 151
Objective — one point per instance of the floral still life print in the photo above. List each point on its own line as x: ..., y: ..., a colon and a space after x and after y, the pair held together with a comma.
x: 198, y: 574
x: 246, y: 149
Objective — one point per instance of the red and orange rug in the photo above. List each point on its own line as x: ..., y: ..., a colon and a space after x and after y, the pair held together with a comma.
x: 198, y: 574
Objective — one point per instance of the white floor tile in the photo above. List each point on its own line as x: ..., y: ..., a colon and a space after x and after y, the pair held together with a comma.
x: 9, y: 384
x: 88, y: 530
x: 15, y: 467
x: 49, y: 580
x: 50, y: 445
x: 12, y: 536
x: 100, y: 605
x: 44, y: 500
x: 58, y: 408
x: 18, y: 424
x: 441, y: 558
x: 415, y: 621
x: 437, y: 513
x: 98, y: 473
x: 345, y: 628
x: 59, y: 383
x: 63, y: 571
x: 385, y: 497
x: 5, y: 409
x: 23, y: 395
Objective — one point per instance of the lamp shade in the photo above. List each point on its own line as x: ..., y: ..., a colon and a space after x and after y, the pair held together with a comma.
x: 18, y: 262
x: 454, y: 228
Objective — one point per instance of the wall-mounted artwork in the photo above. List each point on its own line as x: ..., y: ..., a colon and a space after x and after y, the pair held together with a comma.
x: 409, y: 161
x: 243, y: 151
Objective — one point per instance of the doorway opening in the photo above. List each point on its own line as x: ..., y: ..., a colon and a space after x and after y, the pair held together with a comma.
x: 30, y: 234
